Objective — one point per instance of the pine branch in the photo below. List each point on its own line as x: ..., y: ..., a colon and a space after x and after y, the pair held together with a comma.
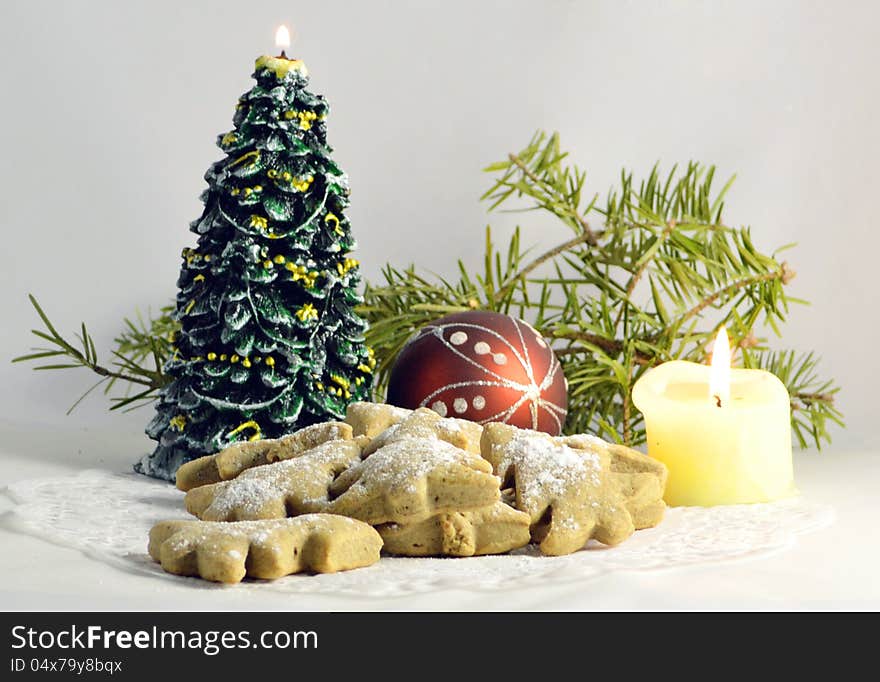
x: 612, y: 347
x: 667, y: 230
x: 537, y: 172
x: 550, y: 254
x: 588, y: 235
x: 645, y: 262
x: 728, y: 291
x: 133, y: 345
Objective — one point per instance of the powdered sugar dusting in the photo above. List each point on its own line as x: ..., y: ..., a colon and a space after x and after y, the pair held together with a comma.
x: 587, y: 441
x: 398, y: 465
x: 547, y: 470
x: 256, y: 532
x: 256, y: 488
x: 448, y: 429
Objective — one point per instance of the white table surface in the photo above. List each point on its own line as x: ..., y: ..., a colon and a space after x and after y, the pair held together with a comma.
x: 833, y: 568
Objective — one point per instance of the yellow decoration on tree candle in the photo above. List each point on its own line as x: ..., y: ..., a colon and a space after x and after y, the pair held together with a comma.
x: 331, y: 218
x: 340, y: 380
x: 343, y: 267
x: 253, y: 155
x: 178, y: 422
x: 307, y: 312
x: 305, y: 117
x: 258, y: 432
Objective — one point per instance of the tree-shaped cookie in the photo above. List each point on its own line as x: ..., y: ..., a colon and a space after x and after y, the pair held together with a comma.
x: 227, y: 552
x: 409, y: 480
x: 269, y: 337
x: 231, y: 461
x: 491, y: 530
x: 568, y: 494
x: 285, y: 488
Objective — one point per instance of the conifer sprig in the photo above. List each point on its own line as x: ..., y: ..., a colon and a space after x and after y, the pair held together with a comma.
x: 649, y: 275
x: 142, y: 343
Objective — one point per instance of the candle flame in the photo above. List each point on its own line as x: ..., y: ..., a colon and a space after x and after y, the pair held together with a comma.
x: 719, y: 374
x: 282, y: 38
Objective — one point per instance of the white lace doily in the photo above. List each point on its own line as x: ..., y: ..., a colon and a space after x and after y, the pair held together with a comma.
x: 108, y: 517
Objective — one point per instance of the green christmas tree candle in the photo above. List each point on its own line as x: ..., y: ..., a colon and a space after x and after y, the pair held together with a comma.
x: 269, y: 339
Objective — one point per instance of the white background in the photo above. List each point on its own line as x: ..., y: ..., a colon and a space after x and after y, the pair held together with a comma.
x: 110, y: 111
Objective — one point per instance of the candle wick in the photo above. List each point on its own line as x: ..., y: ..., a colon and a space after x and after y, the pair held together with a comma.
x: 717, y: 400
x: 283, y: 55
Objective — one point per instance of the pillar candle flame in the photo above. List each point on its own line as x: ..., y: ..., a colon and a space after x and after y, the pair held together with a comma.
x: 719, y: 375
x: 282, y: 38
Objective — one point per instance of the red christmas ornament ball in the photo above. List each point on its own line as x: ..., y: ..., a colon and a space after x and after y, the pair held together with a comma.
x: 482, y: 366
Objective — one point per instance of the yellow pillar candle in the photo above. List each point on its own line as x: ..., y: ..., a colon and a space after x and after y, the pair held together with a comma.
x: 724, y: 434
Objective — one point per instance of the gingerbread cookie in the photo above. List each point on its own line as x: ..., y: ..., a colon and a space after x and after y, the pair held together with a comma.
x: 409, y: 480
x: 227, y: 552
x: 427, y: 424
x: 238, y: 457
x: 286, y: 488
x: 491, y: 530
x: 567, y: 493
x: 644, y: 498
x: 641, y: 479
x: 623, y: 459
x: 371, y: 419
